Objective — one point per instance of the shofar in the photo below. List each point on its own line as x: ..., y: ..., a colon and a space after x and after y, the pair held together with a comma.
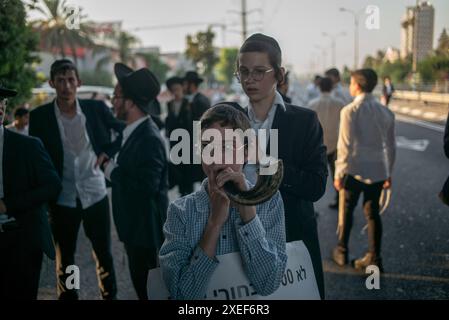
x: 266, y: 186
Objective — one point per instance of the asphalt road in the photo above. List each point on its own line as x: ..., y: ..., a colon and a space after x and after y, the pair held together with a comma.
x: 415, y: 240
x: 416, y: 228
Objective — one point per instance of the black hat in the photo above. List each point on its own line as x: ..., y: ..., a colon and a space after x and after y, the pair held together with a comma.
x: 193, y: 77
x: 173, y: 80
x: 141, y: 86
x: 7, y: 93
x: 266, y: 40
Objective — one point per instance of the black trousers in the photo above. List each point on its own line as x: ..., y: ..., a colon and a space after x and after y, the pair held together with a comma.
x: 20, y: 266
x: 331, y: 157
x: 65, y: 223
x: 140, y: 260
x: 371, y: 195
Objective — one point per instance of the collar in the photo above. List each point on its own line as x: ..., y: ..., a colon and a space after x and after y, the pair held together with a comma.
x: 131, y: 127
x: 278, y: 101
x: 363, y: 97
x: 58, y: 112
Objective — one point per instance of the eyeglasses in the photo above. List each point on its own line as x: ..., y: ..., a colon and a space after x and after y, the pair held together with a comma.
x: 256, y: 74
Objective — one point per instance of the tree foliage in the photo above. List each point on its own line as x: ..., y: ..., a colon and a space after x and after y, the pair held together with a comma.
x: 226, y: 65
x: 17, y: 42
x: 202, y: 52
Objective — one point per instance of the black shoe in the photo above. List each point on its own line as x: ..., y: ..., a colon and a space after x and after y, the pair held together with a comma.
x: 334, y: 205
x: 340, y: 256
x: 368, y: 260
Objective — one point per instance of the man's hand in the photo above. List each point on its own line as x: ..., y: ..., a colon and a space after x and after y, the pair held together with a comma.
x: 247, y: 213
x: 102, y: 158
x: 2, y: 207
x: 387, y: 184
x: 338, y: 184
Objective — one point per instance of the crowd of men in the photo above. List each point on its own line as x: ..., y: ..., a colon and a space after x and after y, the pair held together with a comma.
x: 76, y: 148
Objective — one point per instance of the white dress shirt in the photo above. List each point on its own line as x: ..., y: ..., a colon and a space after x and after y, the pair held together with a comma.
x: 126, y: 134
x: 80, y: 178
x: 23, y: 131
x: 328, y: 110
x: 366, y: 144
x: 250, y: 170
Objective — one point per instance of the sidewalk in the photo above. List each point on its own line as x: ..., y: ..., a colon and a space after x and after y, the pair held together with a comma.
x: 435, y: 113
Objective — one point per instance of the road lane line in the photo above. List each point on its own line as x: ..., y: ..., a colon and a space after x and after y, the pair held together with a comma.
x: 329, y: 267
x: 420, y: 123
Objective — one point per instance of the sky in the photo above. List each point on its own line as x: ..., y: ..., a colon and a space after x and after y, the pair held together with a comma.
x: 296, y: 24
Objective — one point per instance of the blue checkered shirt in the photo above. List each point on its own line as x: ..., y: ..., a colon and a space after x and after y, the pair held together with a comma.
x: 186, y: 269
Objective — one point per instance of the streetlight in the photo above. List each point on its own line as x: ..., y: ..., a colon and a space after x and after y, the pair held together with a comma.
x: 323, y: 54
x: 333, y: 44
x: 356, y: 34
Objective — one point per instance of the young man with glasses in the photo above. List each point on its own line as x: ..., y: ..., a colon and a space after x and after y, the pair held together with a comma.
x: 28, y: 180
x: 300, y: 141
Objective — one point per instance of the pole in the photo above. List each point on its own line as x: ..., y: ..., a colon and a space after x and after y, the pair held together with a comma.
x: 244, y: 25
x: 356, y: 42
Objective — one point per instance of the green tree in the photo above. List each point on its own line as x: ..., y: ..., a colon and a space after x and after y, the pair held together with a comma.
x: 56, y: 37
x: 125, y: 43
x: 443, y: 43
x: 202, y: 52
x: 17, y: 42
x: 158, y: 67
x: 226, y: 65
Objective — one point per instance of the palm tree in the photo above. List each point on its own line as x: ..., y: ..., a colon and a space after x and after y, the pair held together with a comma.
x: 125, y: 42
x: 55, y: 36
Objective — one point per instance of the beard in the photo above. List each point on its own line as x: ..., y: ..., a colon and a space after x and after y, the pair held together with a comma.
x: 121, y: 113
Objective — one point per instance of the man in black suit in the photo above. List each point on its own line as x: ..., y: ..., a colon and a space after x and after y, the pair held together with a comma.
x: 198, y: 104
x: 28, y: 180
x: 75, y: 134
x: 138, y: 174
x: 178, y: 117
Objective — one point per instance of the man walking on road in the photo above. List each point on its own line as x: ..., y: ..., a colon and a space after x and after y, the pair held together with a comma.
x: 328, y: 110
x: 365, y: 156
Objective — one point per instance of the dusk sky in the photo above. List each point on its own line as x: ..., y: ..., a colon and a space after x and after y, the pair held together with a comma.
x: 297, y: 24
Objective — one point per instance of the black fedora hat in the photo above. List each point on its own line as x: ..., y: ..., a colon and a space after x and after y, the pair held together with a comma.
x: 193, y: 77
x: 173, y: 80
x: 7, y: 93
x: 141, y: 85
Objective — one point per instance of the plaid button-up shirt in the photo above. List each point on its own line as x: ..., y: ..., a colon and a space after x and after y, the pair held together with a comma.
x: 186, y: 269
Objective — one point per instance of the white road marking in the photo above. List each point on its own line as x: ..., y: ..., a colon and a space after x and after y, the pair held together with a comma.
x: 420, y: 123
x: 416, y: 145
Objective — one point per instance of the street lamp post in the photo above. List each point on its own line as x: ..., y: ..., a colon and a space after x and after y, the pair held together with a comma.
x: 333, y: 45
x: 356, y: 34
x: 323, y: 55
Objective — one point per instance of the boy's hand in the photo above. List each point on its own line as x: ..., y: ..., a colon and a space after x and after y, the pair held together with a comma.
x: 238, y: 178
x: 247, y: 213
x: 219, y: 202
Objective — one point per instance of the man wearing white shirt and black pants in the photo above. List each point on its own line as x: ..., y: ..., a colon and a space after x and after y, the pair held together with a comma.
x: 365, y: 156
x: 138, y: 174
x: 76, y: 133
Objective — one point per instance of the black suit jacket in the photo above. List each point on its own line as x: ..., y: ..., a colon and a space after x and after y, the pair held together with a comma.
x: 99, y: 123
x: 139, y: 188
x: 29, y: 181
x: 199, y: 105
x: 300, y: 146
